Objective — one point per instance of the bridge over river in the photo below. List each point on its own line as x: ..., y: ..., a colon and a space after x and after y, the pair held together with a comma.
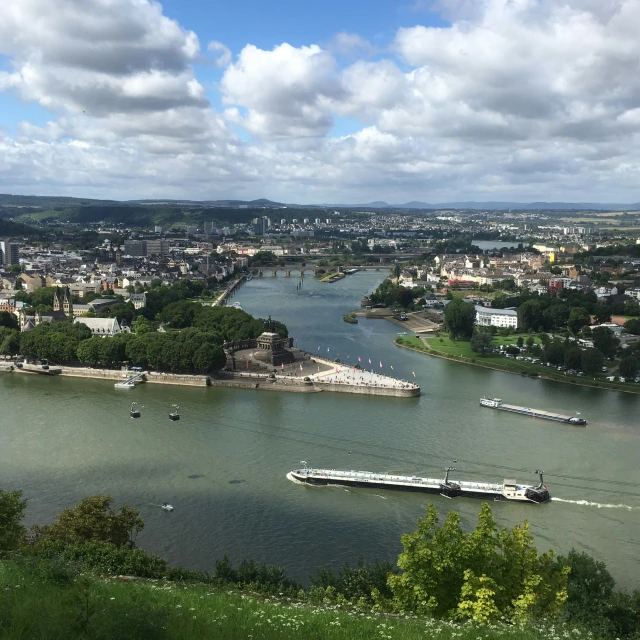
x: 276, y: 271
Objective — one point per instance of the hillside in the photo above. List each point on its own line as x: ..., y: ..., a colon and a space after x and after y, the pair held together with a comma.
x: 46, y: 602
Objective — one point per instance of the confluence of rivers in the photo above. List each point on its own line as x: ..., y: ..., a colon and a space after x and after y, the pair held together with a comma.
x: 223, y: 466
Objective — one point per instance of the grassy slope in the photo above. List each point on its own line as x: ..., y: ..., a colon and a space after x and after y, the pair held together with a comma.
x: 461, y: 349
x: 111, y: 608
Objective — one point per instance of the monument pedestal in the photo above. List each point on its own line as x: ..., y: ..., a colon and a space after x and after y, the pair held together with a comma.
x: 271, y: 350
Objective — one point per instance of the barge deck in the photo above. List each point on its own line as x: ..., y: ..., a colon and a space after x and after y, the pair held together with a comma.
x: 496, y: 403
x: 508, y: 490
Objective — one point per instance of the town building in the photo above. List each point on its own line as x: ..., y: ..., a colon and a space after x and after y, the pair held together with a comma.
x: 9, y: 253
x: 139, y: 300
x: 101, y: 326
x: 486, y: 317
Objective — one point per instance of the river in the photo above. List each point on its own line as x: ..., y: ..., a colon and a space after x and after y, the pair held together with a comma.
x: 223, y: 466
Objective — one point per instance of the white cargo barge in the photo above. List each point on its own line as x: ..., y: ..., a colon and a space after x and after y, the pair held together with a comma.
x: 508, y: 490
x: 496, y: 403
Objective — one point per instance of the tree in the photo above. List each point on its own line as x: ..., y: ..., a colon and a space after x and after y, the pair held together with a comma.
x: 530, y: 342
x: 9, y: 341
x: 529, y: 315
x: 633, y: 326
x: 8, y: 320
x: 605, y: 341
x: 602, y: 314
x: 481, y: 342
x: 629, y: 367
x: 554, y: 352
x: 589, y: 587
x: 578, y: 318
x: 12, y: 508
x: 208, y: 358
x: 142, y: 325
x: 459, y: 318
x: 520, y: 342
x: 94, y: 519
x: 89, y: 350
x: 483, y: 575
x: 573, y: 358
x: 592, y: 360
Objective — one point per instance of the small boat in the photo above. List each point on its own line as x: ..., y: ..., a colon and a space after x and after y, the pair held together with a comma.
x: 249, y: 277
x: 174, y: 415
x: 134, y: 412
x: 124, y: 385
x: 237, y: 305
x: 166, y: 506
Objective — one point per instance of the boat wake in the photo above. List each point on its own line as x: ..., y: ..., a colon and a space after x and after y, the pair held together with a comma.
x: 599, y: 505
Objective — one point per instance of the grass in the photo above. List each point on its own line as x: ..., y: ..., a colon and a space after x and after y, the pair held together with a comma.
x: 87, y: 607
x: 461, y: 350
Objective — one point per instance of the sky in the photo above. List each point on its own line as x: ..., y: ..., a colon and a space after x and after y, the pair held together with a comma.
x: 343, y: 101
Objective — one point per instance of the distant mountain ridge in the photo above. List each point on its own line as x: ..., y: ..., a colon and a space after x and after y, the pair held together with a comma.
x: 8, y: 200
x: 495, y: 206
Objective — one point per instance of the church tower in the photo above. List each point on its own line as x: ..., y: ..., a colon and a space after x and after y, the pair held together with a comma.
x: 62, y: 301
x: 67, y: 304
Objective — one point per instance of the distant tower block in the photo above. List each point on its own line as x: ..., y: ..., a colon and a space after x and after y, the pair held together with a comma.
x: 271, y: 350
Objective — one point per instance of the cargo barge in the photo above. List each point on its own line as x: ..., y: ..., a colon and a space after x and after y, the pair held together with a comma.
x: 496, y: 403
x: 509, y: 490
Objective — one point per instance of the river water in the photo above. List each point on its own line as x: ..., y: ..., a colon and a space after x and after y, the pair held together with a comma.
x: 223, y: 466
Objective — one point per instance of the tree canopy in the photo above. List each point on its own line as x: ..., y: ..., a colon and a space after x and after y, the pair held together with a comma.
x: 482, y: 575
x: 459, y: 318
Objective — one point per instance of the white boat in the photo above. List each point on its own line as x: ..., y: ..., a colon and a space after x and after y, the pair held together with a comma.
x: 237, y: 305
x: 166, y: 506
x: 124, y: 385
x: 494, y: 403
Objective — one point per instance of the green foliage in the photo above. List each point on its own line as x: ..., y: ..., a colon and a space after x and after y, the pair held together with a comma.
x: 484, y: 575
x: 554, y: 351
x: 592, y: 361
x: 9, y: 341
x: 363, y: 585
x: 605, y: 341
x: 633, y: 326
x: 93, y: 520
x: 629, y: 367
x: 481, y: 342
x: 530, y: 315
x: 573, y: 358
x: 394, y: 295
x: 57, y: 342
x: 263, y: 258
x: 8, y: 320
x: 578, y: 318
x: 459, y: 318
x: 12, y: 508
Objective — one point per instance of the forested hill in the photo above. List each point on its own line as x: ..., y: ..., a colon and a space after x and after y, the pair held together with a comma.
x: 10, y: 229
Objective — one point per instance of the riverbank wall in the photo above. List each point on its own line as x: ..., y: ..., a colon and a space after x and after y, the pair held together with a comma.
x: 120, y: 376
x: 409, y: 392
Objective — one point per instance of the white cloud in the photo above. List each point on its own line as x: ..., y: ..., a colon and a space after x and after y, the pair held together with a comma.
x: 517, y: 99
x: 223, y: 53
x: 286, y: 92
x: 350, y: 44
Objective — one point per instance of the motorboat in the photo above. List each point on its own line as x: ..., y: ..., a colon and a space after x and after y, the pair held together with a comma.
x: 174, y: 415
x: 134, y: 412
x: 124, y: 385
x: 166, y: 506
x: 237, y: 305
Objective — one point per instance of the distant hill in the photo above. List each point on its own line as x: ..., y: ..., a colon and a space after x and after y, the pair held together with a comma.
x: 9, y: 229
x: 497, y: 206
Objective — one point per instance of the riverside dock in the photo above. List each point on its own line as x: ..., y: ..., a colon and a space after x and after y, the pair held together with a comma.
x: 496, y: 403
